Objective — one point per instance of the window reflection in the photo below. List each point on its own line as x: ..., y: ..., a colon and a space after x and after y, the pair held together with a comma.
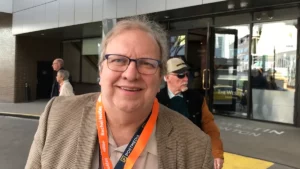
x: 177, y: 46
x: 274, y: 70
x: 231, y: 70
x: 90, y: 53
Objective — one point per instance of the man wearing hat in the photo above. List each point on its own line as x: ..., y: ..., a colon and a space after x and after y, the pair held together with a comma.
x: 191, y: 104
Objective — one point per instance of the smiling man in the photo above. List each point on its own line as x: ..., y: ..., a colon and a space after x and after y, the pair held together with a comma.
x: 124, y: 126
x: 177, y: 97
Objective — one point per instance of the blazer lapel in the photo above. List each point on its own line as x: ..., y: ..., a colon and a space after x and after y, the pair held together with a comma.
x: 87, y: 136
x: 166, y: 145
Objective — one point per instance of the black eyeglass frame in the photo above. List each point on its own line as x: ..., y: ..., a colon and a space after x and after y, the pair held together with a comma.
x: 159, y: 63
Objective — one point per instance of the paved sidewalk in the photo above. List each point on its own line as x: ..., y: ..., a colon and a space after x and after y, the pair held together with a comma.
x: 261, y: 140
x: 249, y: 144
x: 29, y: 110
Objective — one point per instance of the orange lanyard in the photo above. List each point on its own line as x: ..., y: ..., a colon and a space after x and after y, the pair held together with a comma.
x: 140, y: 144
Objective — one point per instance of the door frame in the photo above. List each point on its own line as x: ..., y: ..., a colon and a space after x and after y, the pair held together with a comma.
x: 297, y: 92
x: 211, y: 32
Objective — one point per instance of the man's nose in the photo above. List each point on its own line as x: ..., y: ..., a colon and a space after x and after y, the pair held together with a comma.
x: 186, y: 77
x: 131, y: 73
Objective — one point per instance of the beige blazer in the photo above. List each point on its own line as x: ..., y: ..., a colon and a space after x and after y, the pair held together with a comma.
x: 67, y: 137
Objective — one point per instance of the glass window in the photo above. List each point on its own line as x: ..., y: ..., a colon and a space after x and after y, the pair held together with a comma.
x: 177, y: 46
x: 87, y: 51
x: 231, y: 70
x: 90, y: 50
x: 274, y: 70
x: 71, y: 56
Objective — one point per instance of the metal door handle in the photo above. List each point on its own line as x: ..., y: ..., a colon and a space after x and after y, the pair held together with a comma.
x: 208, y: 70
x: 203, y: 79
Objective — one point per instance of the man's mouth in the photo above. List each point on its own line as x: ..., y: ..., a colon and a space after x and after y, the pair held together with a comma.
x: 131, y: 89
x: 184, y: 84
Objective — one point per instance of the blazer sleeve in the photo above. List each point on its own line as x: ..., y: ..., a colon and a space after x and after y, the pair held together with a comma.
x: 209, y: 127
x: 34, y: 157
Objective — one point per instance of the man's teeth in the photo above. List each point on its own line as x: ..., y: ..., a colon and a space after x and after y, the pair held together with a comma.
x: 130, y: 89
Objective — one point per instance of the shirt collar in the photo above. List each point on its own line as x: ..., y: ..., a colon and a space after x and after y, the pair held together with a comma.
x: 171, y: 95
x: 151, y: 146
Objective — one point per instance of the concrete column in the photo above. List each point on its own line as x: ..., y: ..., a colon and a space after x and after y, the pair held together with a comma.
x: 7, y: 59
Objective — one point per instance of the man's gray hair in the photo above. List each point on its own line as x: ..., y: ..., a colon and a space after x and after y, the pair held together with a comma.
x: 60, y: 61
x: 144, y: 24
x: 64, y: 73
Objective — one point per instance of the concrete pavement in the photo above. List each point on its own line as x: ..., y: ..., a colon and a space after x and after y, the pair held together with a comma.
x: 268, y: 141
x: 32, y: 108
x: 15, y: 141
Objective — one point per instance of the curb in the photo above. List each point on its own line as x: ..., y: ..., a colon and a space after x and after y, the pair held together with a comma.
x: 20, y: 115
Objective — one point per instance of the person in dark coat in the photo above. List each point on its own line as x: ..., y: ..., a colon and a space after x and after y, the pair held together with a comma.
x: 190, y: 104
x: 58, y: 64
x: 259, y: 81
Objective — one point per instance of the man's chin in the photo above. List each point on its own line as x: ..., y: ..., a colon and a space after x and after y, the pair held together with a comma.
x: 128, y: 105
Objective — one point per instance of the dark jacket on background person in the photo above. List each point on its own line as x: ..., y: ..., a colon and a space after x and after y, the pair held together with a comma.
x: 55, y: 85
x: 199, y: 114
x: 192, y: 102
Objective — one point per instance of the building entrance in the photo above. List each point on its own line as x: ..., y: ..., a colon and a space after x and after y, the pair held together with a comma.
x: 211, y: 54
x: 243, y: 70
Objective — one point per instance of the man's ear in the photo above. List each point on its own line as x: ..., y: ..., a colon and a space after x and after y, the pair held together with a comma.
x: 165, y: 78
x: 100, y: 67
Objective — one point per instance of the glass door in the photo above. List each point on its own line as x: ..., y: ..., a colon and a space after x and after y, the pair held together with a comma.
x: 273, y: 70
x: 196, y: 58
x: 227, y: 81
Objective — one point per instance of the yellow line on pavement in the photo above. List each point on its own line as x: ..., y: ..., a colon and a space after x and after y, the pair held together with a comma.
x: 19, y: 114
x: 233, y: 161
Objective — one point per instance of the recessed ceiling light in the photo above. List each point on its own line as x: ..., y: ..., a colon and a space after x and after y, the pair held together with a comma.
x: 244, y: 3
x: 230, y: 5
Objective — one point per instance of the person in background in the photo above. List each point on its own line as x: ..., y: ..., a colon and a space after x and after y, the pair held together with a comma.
x: 57, y: 65
x: 65, y: 87
x: 190, y: 104
x: 124, y: 126
x: 259, y: 81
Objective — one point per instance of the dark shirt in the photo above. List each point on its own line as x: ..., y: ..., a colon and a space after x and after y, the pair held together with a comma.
x: 192, y: 100
x: 179, y: 104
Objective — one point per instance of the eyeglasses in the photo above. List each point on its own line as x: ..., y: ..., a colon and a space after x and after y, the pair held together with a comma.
x: 181, y: 75
x: 120, y: 63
